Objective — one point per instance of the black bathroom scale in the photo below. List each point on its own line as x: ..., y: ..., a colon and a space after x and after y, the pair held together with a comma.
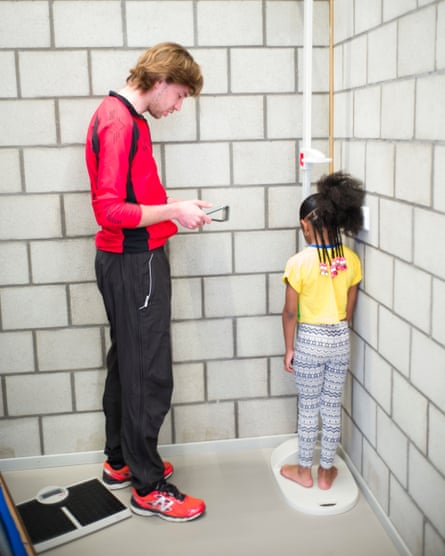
x: 62, y: 514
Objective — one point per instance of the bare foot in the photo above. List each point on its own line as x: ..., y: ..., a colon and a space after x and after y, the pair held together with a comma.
x: 326, y: 477
x: 298, y: 474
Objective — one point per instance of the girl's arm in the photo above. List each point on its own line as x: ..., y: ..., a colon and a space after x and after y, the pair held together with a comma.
x: 350, y: 305
x: 289, y: 319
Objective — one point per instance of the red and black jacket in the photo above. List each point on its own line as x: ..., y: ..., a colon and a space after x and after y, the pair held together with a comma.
x: 123, y: 174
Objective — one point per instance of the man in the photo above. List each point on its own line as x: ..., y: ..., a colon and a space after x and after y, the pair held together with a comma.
x: 133, y: 274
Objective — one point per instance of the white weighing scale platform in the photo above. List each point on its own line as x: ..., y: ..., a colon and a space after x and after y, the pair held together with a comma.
x: 341, y: 497
x: 61, y: 514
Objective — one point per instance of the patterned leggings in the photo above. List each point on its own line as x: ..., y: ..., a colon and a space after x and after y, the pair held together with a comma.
x: 321, y: 362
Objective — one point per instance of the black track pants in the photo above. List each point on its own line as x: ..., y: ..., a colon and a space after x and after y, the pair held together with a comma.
x: 136, y: 290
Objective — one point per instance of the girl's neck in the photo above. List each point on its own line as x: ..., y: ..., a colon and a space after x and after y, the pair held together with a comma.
x: 315, y: 239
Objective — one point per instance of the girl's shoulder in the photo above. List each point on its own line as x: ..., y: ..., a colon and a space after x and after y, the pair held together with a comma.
x: 306, y: 254
x: 350, y: 253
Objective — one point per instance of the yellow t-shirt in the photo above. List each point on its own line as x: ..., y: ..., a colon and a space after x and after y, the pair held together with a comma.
x: 321, y: 299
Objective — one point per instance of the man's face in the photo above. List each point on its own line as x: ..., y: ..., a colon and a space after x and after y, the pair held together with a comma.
x: 166, y: 98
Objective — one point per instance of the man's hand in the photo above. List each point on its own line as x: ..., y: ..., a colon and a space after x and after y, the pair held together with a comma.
x: 190, y: 213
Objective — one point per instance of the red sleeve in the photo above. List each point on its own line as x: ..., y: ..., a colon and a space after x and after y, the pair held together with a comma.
x: 111, y: 132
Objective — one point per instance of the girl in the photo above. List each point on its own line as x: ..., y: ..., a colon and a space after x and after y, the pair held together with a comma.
x: 321, y: 291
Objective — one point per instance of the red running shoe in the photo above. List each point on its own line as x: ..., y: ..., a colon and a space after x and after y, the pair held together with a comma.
x: 168, y: 503
x: 120, y: 478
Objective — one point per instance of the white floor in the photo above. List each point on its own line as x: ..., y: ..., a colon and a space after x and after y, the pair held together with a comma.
x: 247, y: 514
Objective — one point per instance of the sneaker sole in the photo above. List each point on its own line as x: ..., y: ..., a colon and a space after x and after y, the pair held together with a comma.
x: 147, y: 513
x: 116, y: 486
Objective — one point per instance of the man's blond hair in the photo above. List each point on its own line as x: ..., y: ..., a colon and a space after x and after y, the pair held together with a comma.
x: 170, y: 62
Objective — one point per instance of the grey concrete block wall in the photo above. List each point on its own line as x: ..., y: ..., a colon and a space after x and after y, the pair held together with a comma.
x: 389, y: 129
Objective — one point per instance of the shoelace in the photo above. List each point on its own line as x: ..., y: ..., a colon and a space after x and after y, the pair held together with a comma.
x: 170, y: 490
